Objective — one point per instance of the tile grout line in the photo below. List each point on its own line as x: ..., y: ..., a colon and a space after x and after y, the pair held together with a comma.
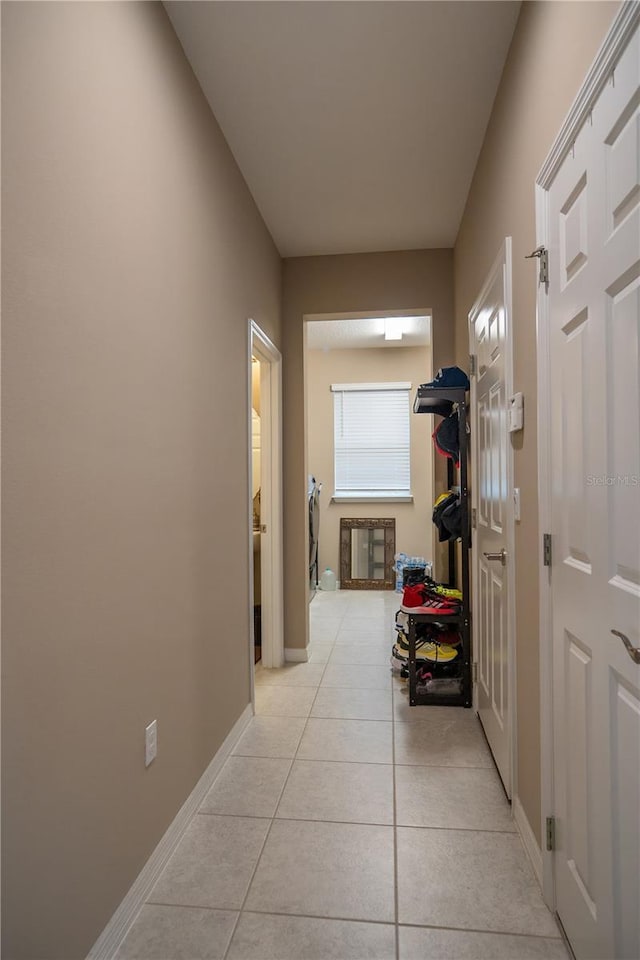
x: 251, y: 878
x: 499, y: 933
x: 442, y: 766
x: 316, y: 916
x: 369, y: 763
x: 356, y: 823
x: 328, y: 686
x: 393, y: 776
x: 270, y: 828
x: 264, y: 844
x: 357, y: 719
x: 273, y: 818
x: 380, y: 923
x: 262, y: 756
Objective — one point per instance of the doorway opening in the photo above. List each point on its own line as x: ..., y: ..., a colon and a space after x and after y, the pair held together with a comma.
x: 347, y: 353
x: 265, y: 501
x: 256, y: 492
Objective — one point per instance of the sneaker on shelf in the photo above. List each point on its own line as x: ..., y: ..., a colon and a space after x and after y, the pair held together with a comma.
x: 401, y: 627
x: 442, y: 590
x: 447, y: 635
x: 435, y: 608
x: 401, y: 649
x: 402, y: 640
x: 438, y: 653
x: 411, y: 596
x: 415, y: 599
x: 430, y: 594
x: 397, y: 660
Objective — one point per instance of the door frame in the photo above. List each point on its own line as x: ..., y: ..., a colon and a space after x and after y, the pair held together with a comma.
x: 270, y: 358
x: 436, y: 546
x: 614, y: 43
x: 503, y: 261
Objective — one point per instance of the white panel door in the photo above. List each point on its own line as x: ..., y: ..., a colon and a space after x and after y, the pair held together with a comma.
x: 594, y: 315
x: 492, y: 558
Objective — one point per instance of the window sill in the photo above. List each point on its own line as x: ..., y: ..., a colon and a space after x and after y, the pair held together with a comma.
x: 373, y: 499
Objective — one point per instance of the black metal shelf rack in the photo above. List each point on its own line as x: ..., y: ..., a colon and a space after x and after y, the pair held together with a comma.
x: 423, y: 403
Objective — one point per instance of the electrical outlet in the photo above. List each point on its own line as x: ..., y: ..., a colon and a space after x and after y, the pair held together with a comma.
x: 150, y: 742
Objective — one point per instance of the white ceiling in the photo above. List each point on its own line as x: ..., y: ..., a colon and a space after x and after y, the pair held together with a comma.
x: 357, y: 125
x: 364, y: 333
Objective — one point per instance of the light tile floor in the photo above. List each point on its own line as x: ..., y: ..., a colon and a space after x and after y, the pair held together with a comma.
x: 348, y: 825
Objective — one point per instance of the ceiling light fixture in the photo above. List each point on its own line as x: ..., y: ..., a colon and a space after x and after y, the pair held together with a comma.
x: 393, y: 328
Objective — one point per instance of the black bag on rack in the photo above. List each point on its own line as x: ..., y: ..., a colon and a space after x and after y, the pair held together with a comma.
x: 444, y: 533
x: 446, y: 437
x: 451, y: 519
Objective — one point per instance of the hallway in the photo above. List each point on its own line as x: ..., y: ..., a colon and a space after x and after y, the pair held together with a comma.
x: 347, y: 825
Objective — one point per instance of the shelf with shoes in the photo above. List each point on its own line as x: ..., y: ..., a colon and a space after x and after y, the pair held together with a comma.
x: 447, y: 397
x: 438, y: 655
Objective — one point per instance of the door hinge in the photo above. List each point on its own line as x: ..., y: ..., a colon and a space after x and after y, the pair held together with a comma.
x: 474, y: 518
x: 474, y: 672
x: 543, y: 256
x: 551, y: 833
x: 546, y: 549
x: 472, y: 365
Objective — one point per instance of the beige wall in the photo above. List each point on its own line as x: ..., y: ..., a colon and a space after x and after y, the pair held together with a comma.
x: 414, y: 530
x: 553, y: 47
x: 132, y: 257
x: 404, y: 280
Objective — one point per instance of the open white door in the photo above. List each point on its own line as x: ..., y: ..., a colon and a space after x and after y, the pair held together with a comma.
x: 589, y: 209
x: 493, y: 536
x: 270, y: 533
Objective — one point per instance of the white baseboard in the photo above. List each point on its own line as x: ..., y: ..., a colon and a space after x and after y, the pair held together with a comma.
x: 296, y: 654
x: 528, y: 838
x: 107, y: 944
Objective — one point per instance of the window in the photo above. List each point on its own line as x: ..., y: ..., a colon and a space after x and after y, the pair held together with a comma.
x: 371, y: 440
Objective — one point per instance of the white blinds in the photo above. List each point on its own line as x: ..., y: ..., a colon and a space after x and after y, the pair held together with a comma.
x: 371, y: 439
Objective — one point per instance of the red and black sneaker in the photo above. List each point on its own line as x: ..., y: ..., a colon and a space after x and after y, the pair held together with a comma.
x: 416, y: 599
x: 447, y: 635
